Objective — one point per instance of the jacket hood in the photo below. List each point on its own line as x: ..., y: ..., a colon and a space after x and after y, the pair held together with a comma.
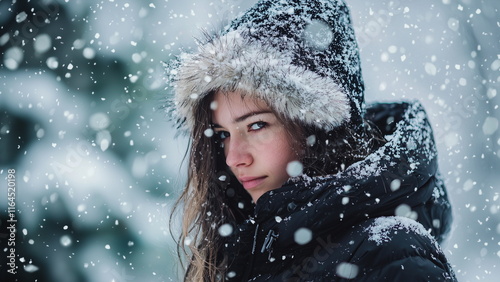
x: 400, y: 178
x: 300, y: 56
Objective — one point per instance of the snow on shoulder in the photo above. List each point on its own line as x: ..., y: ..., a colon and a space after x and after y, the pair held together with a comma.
x: 380, y: 230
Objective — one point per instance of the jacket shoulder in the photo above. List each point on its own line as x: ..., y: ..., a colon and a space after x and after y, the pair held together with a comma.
x: 396, y: 248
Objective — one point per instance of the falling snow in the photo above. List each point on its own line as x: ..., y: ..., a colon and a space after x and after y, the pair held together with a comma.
x: 347, y: 270
x: 303, y: 236
x: 294, y: 168
x: 99, y: 167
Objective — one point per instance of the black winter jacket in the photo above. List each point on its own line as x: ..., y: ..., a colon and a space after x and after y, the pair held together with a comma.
x: 381, y: 219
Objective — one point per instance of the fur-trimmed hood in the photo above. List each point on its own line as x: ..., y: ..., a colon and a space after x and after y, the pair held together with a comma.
x: 300, y: 56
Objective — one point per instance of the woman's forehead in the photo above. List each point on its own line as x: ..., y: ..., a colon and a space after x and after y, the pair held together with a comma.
x: 230, y: 106
x: 238, y: 99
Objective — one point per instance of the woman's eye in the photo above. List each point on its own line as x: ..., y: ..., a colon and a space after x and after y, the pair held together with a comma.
x: 257, y: 125
x: 222, y: 134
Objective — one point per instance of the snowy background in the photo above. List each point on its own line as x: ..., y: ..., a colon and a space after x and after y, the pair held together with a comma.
x: 97, y: 164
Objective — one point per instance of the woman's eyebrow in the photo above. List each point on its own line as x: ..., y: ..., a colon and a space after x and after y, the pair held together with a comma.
x: 244, y: 117
x: 247, y: 115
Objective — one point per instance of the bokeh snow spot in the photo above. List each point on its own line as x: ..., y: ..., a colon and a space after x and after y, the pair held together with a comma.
x: 318, y: 35
x: 137, y: 58
x: 436, y: 223
x: 302, y: 236
x: 88, y: 53
x: 453, y: 24
x: 4, y: 39
x: 404, y: 210
x: 99, y: 121
x: 294, y: 168
x: 65, y: 241
x: 226, y: 230
x: 490, y: 125
x: 347, y: 270
x: 213, y: 105
x: 495, y: 65
x: 30, y: 268
x: 81, y: 208
x: 469, y: 184
x: 13, y: 58
x: 52, y: 63
x: 42, y: 43
x: 40, y: 133
x: 311, y: 140
x: 208, y: 132
x: 345, y: 201
x: 103, y: 138
x: 491, y: 93
x: 395, y: 184
x: 430, y: 69
x: 21, y: 17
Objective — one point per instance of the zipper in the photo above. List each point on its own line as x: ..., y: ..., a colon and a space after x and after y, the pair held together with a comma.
x: 268, y: 243
x: 248, y: 271
x: 255, y: 238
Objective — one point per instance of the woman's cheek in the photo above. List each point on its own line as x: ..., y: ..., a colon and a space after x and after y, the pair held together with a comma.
x: 264, y: 137
x: 270, y: 135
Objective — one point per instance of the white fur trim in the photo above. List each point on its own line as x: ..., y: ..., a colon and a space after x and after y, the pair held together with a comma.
x: 231, y: 63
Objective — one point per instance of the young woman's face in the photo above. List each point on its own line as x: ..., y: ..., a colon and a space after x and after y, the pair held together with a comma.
x: 256, y: 144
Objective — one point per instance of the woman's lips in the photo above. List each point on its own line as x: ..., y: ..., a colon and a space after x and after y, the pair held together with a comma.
x: 251, y: 182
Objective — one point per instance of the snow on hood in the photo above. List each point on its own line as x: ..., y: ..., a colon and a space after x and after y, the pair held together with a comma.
x: 300, y: 56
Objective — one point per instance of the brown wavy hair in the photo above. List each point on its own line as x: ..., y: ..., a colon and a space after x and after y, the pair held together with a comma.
x: 213, y: 197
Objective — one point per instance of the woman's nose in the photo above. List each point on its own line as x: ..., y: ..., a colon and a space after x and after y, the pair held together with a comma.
x: 237, y: 152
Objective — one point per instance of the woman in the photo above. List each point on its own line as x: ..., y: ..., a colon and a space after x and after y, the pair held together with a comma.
x: 290, y: 177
